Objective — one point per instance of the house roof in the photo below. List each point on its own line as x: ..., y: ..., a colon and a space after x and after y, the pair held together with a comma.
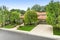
x: 22, y: 17
x: 41, y: 15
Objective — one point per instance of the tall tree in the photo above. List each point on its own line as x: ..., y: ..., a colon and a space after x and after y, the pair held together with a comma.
x: 14, y: 16
x: 22, y: 12
x: 51, y: 13
x: 1, y: 15
x: 4, y: 15
x: 43, y: 8
x: 28, y: 8
x: 30, y: 17
x: 18, y: 10
x: 36, y: 8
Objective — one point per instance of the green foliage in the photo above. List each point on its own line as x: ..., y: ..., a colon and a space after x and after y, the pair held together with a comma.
x: 53, y: 16
x: 22, y: 12
x: 52, y: 12
x: 18, y: 10
x: 14, y: 17
x: 26, y: 27
x: 43, y: 9
x: 12, y: 10
x: 58, y: 24
x: 28, y: 9
x: 39, y: 8
x: 10, y: 26
x: 4, y: 15
x: 0, y: 15
x: 56, y: 31
x: 30, y: 17
x: 36, y: 8
x: 58, y: 19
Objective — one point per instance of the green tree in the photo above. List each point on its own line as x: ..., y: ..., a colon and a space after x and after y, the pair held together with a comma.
x: 14, y: 17
x: 43, y: 8
x: 12, y: 10
x: 4, y: 15
x: 28, y: 9
x: 53, y: 12
x: 58, y: 19
x: 30, y: 17
x: 36, y: 8
x: 1, y: 15
x: 22, y: 12
x: 58, y: 24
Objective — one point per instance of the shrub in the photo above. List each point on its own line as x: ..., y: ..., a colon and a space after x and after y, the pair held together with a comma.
x: 58, y: 19
x: 56, y: 31
x: 30, y: 17
x: 58, y: 25
x: 15, y: 17
x: 51, y: 17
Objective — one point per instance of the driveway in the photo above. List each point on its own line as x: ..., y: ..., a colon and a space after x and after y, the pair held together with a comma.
x: 43, y: 29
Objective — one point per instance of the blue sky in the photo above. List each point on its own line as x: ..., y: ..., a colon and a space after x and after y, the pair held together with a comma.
x: 23, y: 4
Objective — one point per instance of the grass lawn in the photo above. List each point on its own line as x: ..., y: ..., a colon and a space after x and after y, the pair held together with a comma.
x: 56, y: 31
x: 26, y: 28
x: 9, y: 26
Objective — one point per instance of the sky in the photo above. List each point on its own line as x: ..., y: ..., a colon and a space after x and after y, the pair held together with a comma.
x: 23, y: 4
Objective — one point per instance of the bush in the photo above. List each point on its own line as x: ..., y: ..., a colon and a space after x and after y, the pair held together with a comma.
x: 56, y: 31
x: 58, y: 25
x: 15, y: 17
x: 30, y: 17
x: 58, y: 19
x: 50, y: 14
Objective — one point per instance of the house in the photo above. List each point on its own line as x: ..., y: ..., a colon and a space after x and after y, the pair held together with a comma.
x: 41, y: 16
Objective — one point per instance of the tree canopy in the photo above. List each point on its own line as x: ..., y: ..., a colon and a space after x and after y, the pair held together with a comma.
x: 53, y: 13
x: 30, y: 17
x: 14, y: 16
x: 36, y: 8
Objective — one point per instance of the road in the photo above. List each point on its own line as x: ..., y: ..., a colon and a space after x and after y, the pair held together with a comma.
x: 11, y: 35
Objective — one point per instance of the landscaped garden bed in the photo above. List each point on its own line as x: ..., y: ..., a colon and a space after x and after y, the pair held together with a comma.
x: 26, y: 27
x: 10, y: 26
x: 30, y: 20
x: 56, y: 31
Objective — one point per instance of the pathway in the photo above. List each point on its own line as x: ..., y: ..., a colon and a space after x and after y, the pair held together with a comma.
x: 43, y: 29
x: 15, y: 28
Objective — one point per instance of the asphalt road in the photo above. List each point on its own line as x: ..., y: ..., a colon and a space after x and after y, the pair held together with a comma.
x: 9, y: 35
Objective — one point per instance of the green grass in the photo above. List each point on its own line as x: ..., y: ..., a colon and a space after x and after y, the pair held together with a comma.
x: 56, y: 31
x: 9, y: 26
x: 26, y: 27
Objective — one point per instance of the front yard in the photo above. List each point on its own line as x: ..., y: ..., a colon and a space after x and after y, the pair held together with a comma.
x: 43, y: 28
x: 10, y: 26
x: 56, y: 31
x: 26, y: 27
